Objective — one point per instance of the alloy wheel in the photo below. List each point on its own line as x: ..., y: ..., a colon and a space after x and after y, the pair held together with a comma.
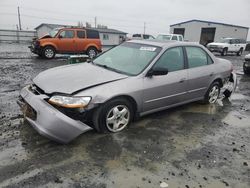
x: 213, y: 94
x: 118, y: 118
x: 49, y: 53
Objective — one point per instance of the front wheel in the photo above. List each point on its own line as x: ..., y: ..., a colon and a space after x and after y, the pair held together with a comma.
x: 49, y: 52
x: 113, y: 116
x: 224, y: 52
x: 212, y: 94
x: 239, y: 53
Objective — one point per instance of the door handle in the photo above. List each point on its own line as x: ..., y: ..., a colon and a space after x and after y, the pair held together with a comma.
x: 211, y: 74
x: 182, y: 80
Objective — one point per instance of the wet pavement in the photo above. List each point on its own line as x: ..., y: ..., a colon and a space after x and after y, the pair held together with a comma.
x: 189, y: 146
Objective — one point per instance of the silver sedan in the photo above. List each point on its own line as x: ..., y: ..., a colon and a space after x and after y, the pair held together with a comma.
x: 133, y: 79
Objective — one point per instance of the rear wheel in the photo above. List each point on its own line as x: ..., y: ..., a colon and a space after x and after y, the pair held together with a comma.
x: 113, y: 116
x: 224, y: 52
x: 49, y: 52
x: 212, y: 94
x: 92, y: 52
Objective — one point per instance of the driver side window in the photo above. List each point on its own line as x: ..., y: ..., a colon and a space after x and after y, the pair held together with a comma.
x: 67, y: 34
x: 172, y: 59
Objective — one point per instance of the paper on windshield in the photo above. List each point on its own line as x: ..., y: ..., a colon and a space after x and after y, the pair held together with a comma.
x: 146, y: 48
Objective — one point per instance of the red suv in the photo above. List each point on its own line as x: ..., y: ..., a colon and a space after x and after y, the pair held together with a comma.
x: 68, y: 41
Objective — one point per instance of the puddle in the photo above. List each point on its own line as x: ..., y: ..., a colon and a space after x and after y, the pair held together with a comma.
x: 201, y: 108
x: 237, y: 119
x: 238, y: 96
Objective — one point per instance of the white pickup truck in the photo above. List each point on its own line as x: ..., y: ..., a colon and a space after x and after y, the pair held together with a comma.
x: 228, y: 45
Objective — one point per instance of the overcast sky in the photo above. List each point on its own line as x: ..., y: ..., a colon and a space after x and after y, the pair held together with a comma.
x: 125, y: 15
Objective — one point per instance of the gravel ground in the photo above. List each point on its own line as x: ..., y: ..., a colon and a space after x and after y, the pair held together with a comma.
x: 189, y: 146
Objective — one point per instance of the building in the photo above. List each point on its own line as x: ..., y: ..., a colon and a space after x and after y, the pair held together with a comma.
x: 207, y: 31
x: 109, y: 37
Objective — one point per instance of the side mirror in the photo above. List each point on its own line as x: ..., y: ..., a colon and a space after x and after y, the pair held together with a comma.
x: 157, y: 71
x: 60, y: 36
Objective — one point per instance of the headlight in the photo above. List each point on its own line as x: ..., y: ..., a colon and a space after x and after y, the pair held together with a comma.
x: 70, y: 102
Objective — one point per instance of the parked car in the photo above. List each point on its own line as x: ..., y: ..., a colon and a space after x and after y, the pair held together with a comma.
x: 228, y: 45
x: 142, y: 36
x: 136, y: 78
x: 68, y: 41
x: 246, y: 64
x: 170, y: 37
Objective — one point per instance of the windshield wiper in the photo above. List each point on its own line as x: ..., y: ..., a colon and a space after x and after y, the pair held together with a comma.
x: 110, y: 68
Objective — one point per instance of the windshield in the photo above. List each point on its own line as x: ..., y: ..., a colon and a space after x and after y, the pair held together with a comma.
x: 128, y: 58
x: 53, y: 32
x: 225, y: 41
x: 164, y: 37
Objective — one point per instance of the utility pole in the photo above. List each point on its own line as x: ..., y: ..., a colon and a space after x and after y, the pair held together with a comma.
x: 95, y: 21
x: 19, y: 18
x: 144, y: 28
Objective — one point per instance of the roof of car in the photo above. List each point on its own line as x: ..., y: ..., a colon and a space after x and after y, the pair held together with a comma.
x: 161, y: 43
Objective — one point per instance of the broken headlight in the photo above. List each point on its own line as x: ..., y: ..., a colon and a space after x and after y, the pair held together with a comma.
x: 70, y: 102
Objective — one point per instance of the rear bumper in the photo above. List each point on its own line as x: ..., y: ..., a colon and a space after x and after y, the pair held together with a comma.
x: 50, y: 122
x: 215, y: 49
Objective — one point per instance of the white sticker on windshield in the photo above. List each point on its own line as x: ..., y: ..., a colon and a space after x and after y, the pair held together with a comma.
x: 146, y: 48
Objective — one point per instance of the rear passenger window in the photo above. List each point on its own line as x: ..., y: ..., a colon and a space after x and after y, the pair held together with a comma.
x: 174, y: 38
x: 81, y: 34
x: 172, y: 59
x: 180, y: 38
x: 209, y: 60
x: 196, y: 57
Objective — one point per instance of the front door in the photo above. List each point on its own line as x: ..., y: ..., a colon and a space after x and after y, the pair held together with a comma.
x: 166, y: 90
x: 66, y: 41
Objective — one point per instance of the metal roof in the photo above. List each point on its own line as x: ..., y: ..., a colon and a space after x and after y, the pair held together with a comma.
x: 101, y: 30
x: 209, y: 22
x: 52, y: 26
x: 106, y: 30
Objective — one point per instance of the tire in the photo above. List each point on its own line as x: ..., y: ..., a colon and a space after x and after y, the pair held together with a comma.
x: 113, y: 116
x: 212, y: 95
x: 49, y: 52
x: 246, y: 72
x: 239, y: 53
x: 224, y: 52
x: 92, y: 52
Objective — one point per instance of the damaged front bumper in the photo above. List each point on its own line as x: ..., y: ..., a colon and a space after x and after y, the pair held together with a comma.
x: 230, y: 84
x: 47, y: 120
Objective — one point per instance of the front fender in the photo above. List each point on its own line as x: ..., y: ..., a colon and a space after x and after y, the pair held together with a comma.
x: 48, y: 44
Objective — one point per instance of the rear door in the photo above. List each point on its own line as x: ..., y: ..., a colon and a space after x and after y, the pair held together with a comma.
x: 232, y: 45
x: 166, y: 90
x: 80, y: 40
x: 200, y: 71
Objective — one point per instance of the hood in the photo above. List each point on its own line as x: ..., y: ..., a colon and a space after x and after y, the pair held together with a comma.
x: 216, y: 44
x: 72, y: 78
x: 45, y: 36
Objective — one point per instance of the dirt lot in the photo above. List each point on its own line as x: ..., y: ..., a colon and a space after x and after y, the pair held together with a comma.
x: 189, y: 146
